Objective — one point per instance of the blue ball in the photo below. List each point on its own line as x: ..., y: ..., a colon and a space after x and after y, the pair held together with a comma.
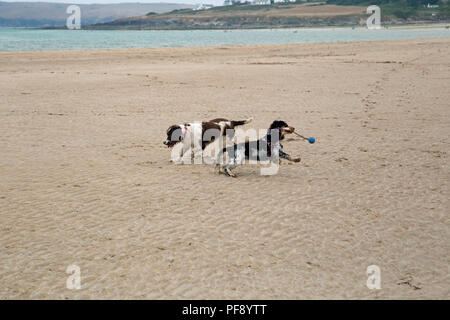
x: 311, y: 140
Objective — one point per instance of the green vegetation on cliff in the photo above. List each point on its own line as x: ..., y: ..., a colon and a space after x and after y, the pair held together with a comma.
x: 405, y: 9
x: 285, y: 15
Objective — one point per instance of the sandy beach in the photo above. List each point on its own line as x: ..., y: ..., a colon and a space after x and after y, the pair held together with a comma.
x: 86, y: 179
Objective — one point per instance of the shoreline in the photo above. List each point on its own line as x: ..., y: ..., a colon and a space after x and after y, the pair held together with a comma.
x: 386, y: 27
x: 418, y: 25
x: 294, y: 30
x: 214, y: 47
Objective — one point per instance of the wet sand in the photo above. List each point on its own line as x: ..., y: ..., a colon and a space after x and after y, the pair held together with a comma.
x: 86, y: 180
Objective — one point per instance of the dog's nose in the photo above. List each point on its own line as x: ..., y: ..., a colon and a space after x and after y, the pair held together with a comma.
x: 165, y: 143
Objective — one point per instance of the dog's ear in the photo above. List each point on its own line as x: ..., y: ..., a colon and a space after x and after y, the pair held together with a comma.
x: 169, y: 129
x: 278, y: 124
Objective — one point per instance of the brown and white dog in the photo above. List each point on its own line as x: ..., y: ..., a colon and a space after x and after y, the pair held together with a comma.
x: 200, y: 134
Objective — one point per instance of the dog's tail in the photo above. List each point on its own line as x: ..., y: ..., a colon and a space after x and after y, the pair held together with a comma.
x: 236, y: 123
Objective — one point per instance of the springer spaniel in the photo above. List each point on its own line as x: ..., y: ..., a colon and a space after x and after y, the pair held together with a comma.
x: 196, y: 135
x: 260, y: 150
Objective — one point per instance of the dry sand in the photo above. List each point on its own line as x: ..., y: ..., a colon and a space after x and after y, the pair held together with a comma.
x: 86, y: 180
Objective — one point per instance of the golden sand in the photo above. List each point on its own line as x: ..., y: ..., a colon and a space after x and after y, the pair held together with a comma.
x: 86, y: 180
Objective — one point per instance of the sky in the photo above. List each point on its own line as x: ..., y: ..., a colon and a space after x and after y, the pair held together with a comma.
x: 215, y: 2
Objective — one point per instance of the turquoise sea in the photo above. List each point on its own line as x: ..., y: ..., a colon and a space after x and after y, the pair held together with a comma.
x: 12, y: 39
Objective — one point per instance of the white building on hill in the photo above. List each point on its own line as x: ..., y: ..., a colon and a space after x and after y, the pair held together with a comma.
x: 202, y: 6
x: 255, y: 2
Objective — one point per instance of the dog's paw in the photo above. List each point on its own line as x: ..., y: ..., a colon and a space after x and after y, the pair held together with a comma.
x: 177, y: 161
x: 229, y: 173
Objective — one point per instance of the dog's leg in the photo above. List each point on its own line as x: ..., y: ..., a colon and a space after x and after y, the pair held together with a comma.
x: 219, y: 160
x: 184, y: 148
x: 227, y: 171
x: 229, y: 166
x: 294, y: 159
x: 236, y: 156
x: 191, y: 151
x: 176, y: 154
x: 197, y: 154
x: 178, y: 158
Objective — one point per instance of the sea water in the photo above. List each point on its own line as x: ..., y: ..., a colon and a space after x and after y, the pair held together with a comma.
x: 19, y: 39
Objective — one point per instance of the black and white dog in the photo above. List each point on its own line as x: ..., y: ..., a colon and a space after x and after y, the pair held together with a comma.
x: 200, y: 134
x: 259, y: 150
